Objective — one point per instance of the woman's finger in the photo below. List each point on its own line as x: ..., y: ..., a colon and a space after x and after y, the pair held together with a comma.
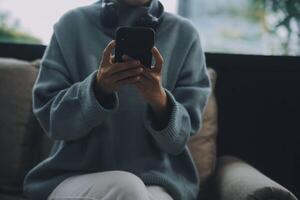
x: 127, y: 81
x: 144, y: 81
x: 126, y: 58
x: 113, y: 59
x: 126, y: 74
x: 118, y: 67
x: 159, y: 61
x: 148, y: 75
x: 106, y: 55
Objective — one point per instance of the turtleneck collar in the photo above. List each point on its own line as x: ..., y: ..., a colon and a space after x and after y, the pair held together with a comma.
x: 129, y: 13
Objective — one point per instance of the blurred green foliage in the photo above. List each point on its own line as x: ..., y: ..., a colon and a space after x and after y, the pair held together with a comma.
x: 11, y: 32
x: 288, y: 9
x: 287, y: 12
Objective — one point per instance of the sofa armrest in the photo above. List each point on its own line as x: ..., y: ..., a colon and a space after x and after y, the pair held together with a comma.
x: 236, y: 180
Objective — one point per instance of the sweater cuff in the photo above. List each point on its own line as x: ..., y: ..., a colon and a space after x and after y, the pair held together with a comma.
x: 174, y: 136
x: 92, y: 110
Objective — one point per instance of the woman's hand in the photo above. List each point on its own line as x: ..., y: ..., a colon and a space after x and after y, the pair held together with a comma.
x: 111, y: 76
x: 150, y: 86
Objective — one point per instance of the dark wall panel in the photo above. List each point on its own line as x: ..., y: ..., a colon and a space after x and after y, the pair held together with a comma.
x: 259, y: 112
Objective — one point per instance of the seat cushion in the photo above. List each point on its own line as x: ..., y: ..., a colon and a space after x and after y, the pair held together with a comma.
x: 18, y: 126
x: 203, y: 144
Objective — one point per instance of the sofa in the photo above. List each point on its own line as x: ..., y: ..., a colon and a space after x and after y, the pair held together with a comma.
x: 23, y: 144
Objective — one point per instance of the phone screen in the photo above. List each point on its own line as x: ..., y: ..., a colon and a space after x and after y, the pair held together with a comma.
x: 135, y: 42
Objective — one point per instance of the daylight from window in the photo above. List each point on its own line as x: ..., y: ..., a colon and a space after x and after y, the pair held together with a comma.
x: 268, y: 27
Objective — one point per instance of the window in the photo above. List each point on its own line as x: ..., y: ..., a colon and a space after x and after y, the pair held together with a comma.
x: 246, y: 26
x: 31, y: 21
x: 268, y: 27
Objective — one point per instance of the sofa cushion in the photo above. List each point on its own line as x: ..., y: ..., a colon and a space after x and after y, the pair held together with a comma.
x: 18, y: 126
x: 236, y: 179
x: 203, y: 144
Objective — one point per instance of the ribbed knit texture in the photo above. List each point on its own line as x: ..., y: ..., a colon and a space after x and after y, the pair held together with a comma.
x: 92, y: 138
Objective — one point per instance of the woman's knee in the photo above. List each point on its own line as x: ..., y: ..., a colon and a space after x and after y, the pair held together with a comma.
x: 109, y: 185
x: 128, y: 186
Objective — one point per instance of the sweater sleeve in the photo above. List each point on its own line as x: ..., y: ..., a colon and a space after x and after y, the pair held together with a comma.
x: 187, y: 100
x: 66, y: 110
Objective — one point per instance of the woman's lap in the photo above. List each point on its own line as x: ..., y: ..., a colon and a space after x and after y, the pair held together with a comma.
x: 109, y: 185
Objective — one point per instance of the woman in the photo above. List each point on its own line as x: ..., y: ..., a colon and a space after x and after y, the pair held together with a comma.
x: 120, y: 129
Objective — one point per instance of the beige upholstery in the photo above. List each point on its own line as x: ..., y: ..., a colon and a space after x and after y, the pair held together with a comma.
x: 18, y: 126
x: 203, y: 144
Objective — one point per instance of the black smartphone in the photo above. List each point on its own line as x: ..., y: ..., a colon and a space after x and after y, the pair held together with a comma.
x: 136, y: 42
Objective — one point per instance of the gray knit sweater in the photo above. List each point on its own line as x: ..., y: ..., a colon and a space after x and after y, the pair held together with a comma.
x: 90, y: 137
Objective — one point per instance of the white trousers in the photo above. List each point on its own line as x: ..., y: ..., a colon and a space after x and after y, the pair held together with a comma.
x: 109, y: 185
